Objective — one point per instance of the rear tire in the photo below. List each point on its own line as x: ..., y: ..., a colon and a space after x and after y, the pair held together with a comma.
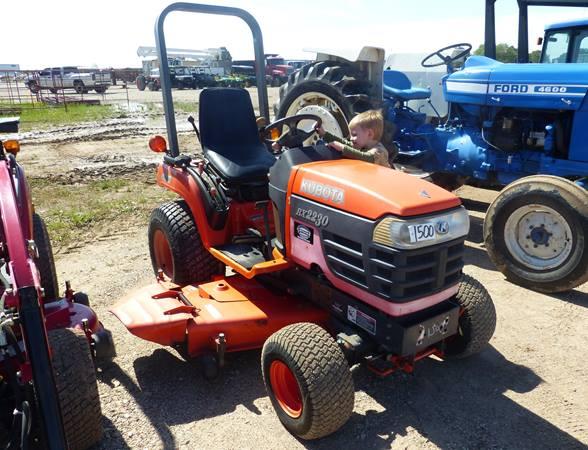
x: 308, y: 380
x: 45, y: 262
x: 75, y: 380
x: 141, y: 82
x: 536, y: 233
x: 477, y: 320
x: 333, y: 90
x: 176, y: 248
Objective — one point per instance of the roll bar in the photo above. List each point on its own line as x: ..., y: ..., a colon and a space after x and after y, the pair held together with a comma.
x: 165, y: 80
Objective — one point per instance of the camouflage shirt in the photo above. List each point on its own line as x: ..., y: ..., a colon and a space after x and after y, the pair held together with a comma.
x: 376, y: 154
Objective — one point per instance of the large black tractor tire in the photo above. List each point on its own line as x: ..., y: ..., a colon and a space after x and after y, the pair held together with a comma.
x: 339, y: 89
x: 176, y: 247
x: 477, y: 320
x: 308, y: 380
x: 75, y: 380
x: 141, y: 82
x: 536, y: 233
x: 45, y: 262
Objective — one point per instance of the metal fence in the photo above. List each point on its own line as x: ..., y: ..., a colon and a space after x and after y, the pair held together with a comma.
x: 22, y: 89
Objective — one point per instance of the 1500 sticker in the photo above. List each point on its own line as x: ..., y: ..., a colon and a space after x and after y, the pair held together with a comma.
x: 317, y: 218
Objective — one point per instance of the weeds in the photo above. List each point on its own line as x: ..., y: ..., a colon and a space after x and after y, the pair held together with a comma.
x: 35, y: 115
x: 81, y: 212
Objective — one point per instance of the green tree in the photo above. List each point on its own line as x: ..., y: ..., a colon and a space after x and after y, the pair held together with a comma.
x: 534, y: 56
x: 504, y: 53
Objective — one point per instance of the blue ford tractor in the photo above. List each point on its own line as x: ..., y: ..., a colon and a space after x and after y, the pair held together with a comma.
x: 521, y: 127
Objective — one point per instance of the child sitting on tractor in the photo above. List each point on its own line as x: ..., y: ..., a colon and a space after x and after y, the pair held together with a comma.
x: 366, y: 130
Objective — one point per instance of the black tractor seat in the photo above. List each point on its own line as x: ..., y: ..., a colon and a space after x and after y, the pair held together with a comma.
x: 230, y: 138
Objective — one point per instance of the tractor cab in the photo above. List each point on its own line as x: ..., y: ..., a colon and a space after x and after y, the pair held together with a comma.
x: 566, y: 42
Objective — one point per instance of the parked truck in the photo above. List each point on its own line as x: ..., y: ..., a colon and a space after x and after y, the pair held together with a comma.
x: 69, y: 77
x: 276, y: 68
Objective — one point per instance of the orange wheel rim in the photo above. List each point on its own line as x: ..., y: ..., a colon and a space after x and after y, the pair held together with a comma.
x: 163, y: 254
x: 286, y: 389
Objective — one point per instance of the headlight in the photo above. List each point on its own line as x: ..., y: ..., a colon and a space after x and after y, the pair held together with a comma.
x: 422, y: 232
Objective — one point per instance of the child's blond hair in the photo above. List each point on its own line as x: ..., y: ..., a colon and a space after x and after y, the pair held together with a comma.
x: 371, y: 119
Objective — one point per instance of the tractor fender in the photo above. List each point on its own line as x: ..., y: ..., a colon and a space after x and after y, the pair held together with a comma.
x: 357, y: 54
x: 186, y: 186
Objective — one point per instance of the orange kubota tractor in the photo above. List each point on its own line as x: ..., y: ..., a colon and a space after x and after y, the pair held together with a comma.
x: 332, y: 262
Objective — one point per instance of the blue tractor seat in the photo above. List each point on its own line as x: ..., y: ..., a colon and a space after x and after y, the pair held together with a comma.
x: 398, y: 86
x: 230, y: 138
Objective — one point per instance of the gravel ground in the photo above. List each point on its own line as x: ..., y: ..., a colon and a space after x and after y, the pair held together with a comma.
x: 527, y: 390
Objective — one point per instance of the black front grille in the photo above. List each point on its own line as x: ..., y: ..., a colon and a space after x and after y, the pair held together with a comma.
x: 345, y: 258
x: 396, y: 275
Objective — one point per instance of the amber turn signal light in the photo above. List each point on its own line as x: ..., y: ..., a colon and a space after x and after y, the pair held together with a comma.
x: 11, y: 146
x: 274, y: 134
x: 157, y: 144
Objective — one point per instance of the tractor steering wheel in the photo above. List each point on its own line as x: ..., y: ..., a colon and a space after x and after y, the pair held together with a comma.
x: 447, y: 59
x: 294, y: 136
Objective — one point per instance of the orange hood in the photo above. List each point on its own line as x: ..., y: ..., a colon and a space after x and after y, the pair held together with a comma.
x: 369, y: 190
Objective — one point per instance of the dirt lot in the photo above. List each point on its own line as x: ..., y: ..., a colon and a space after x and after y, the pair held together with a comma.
x: 529, y: 389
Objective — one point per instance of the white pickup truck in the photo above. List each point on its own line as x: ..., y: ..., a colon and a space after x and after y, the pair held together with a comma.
x: 59, y: 78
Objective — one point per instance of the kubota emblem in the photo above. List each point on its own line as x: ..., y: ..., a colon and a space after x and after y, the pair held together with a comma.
x: 424, y: 193
x: 322, y: 191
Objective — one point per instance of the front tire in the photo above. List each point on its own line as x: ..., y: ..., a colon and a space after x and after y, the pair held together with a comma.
x: 75, y: 380
x: 79, y: 87
x: 535, y: 233
x: 34, y: 87
x: 176, y: 248
x: 477, y: 320
x: 308, y: 380
x: 45, y: 262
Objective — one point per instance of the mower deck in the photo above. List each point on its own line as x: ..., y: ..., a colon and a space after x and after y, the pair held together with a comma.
x: 193, y: 316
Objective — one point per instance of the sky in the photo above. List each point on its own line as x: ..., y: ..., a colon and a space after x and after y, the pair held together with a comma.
x: 106, y: 33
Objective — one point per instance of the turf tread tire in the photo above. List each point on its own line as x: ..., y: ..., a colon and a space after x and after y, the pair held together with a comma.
x: 77, y: 390
x: 191, y: 261
x: 572, y: 200
x: 322, y: 373
x: 45, y: 262
x: 477, y: 321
